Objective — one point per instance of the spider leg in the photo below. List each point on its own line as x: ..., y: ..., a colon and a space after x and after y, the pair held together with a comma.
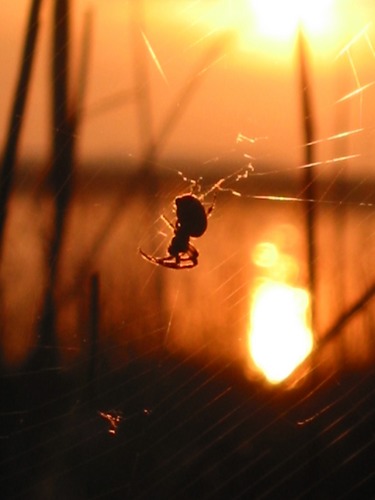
x: 210, y: 209
x: 149, y: 258
x: 159, y: 261
x: 184, y: 261
x: 192, y: 254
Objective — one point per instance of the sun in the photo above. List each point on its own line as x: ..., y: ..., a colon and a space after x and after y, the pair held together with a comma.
x: 281, y: 19
x: 272, y: 25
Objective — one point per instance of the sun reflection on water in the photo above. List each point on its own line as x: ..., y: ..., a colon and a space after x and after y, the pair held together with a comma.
x: 279, y: 337
x: 279, y: 334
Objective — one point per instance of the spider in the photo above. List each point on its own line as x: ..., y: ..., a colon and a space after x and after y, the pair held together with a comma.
x: 191, y: 222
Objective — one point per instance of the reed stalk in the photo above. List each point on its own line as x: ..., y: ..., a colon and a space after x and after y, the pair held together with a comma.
x: 61, y: 174
x: 309, y: 184
x: 18, y: 113
x: 94, y: 320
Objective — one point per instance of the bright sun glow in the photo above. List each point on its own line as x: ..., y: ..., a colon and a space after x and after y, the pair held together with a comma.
x: 280, y: 19
x: 279, y: 337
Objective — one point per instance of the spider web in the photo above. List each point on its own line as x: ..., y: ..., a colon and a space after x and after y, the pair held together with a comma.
x: 145, y: 388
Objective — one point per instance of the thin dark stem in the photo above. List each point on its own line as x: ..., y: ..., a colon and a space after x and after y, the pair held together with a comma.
x: 83, y: 71
x: 94, y: 336
x: 310, y: 211
x: 308, y: 180
x: 337, y: 328
x: 62, y: 130
x: 18, y: 113
x: 63, y: 125
x: 344, y: 318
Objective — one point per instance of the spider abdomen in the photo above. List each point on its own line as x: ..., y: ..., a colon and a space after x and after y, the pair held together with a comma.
x: 191, y: 215
x: 191, y: 221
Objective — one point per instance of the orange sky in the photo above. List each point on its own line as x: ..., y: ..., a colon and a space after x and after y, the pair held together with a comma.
x: 252, y: 92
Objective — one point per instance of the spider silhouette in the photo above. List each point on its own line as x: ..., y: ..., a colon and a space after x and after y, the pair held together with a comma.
x: 191, y: 223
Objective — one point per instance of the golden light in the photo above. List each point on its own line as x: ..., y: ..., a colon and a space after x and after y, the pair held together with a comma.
x: 279, y: 336
x: 280, y: 19
x: 262, y: 26
x: 265, y: 254
x: 275, y: 264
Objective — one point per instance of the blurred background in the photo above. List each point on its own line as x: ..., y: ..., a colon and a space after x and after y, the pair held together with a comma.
x: 124, y: 379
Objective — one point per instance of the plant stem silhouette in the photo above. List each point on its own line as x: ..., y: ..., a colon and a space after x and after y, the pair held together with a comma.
x: 18, y: 113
